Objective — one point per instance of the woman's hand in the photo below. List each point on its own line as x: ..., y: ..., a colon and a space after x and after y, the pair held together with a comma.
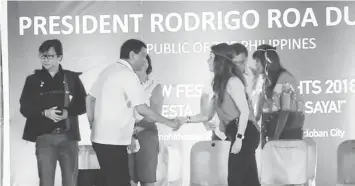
x: 237, y: 146
x: 182, y: 120
x: 209, y: 126
x: 132, y: 147
x: 137, y: 130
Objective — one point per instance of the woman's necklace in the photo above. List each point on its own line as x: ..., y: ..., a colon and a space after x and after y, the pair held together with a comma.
x: 145, y: 81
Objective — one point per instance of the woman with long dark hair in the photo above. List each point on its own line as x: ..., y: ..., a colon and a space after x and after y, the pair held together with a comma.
x: 282, y: 106
x: 230, y: 102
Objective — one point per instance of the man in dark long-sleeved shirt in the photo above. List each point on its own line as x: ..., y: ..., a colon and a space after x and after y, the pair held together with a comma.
x: 51, y: 100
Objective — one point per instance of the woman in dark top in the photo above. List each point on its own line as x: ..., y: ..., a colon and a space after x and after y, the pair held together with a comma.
x: 282, y: 107
x: 230, y: 102
x: 143, y: 164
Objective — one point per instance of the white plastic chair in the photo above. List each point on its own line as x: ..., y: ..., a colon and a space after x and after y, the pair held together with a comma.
x: 346, y: 163
x: 87, y: 158
x: 312, y: 160
x: 169, y: 166
x: 209, y: 163
x: 284, y: 162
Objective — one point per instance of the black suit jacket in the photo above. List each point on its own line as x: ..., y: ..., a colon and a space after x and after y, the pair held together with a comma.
x: 31, y: 108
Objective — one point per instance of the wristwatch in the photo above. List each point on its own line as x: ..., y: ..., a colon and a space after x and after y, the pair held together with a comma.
x: 240, y: 136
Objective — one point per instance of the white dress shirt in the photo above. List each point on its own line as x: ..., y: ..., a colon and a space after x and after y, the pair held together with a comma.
x: 117, y: 91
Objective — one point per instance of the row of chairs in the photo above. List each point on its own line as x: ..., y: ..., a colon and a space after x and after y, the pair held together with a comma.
x: 346, y: 163
x: 283, y: 162
x: 168, y: 170
x: 289, y: 162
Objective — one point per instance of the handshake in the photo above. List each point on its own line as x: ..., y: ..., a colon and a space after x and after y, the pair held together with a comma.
x: 176, y: 123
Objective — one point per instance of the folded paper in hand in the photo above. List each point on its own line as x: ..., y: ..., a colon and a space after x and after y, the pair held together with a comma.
x: 134, y: 150
x: 220, y: 134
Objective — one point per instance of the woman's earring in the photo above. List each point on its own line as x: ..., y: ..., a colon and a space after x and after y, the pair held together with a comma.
x: 267, y: 58
x: 265, y: 69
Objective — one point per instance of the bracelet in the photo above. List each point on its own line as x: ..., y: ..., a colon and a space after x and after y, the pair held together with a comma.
x: 240, y: 136
x: 188, y: 119
x: 43, y: 113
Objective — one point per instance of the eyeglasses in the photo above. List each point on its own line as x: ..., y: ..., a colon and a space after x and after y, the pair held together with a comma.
x: 48, y: 57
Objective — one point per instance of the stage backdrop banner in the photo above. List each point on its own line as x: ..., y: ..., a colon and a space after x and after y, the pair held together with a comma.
x: 1, y: 117
x: 315, y: 41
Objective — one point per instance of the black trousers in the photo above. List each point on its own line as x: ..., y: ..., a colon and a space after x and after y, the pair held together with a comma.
x: 242, y: 167
x: 90, y: 177
x: 113, y: 161
x: 53, y: 148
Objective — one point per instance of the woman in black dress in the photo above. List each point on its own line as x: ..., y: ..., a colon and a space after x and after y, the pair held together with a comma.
x: 143, y: 164
x: 230, y: 102
x: 282, y: 106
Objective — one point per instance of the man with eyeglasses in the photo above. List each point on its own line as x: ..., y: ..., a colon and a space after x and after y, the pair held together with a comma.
x: 252, y: 76
x: 51, y: 100
x: 241, y: 60
x: 254, y: 79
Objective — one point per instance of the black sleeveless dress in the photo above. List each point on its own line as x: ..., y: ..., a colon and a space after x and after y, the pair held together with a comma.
x: 242, y: 167
x: 272, y: 109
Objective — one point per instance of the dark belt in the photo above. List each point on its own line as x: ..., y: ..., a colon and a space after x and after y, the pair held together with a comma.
x: 58, y: 131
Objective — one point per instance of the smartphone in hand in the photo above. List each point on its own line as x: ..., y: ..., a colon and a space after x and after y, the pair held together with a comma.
x: 60, y: 110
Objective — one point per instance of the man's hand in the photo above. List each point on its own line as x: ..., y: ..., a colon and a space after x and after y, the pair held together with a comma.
x: 51, y: 113
x: 176, y: 124
x: 64, y: 115
x: 91, y: 122
x: 181, y: 119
